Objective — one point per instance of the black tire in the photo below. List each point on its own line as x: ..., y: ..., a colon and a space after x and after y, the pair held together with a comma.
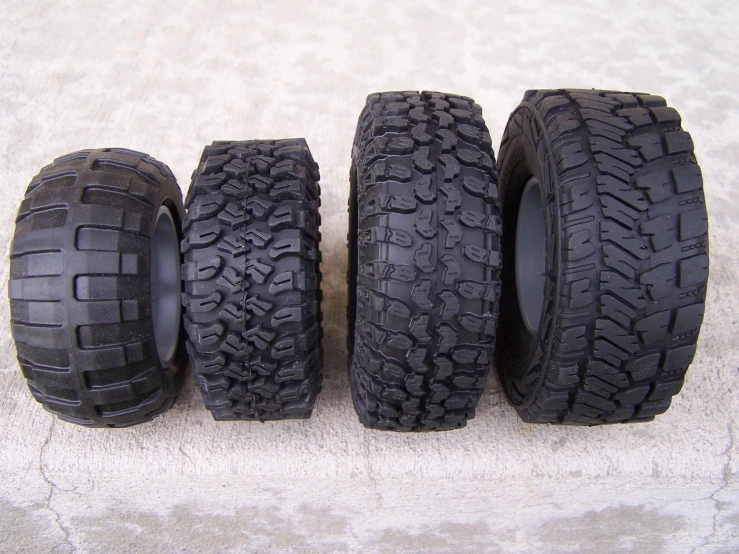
x: 625, y: 266
x: 82, y: 313
x: 252, y: 279
x: 424, y: 261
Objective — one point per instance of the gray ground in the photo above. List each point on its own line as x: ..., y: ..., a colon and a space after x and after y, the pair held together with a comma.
x: 167, y: 78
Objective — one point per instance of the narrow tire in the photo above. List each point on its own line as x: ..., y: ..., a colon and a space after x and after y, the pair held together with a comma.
x: 252, y: 279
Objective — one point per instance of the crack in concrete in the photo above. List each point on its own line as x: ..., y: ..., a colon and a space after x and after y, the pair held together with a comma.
x: 186, y: 455
x: 370, y: 472
x: 726, y: 480
x: 52, y: 488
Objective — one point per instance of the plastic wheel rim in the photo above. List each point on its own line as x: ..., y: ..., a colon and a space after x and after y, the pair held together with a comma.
x: 531, y: 256
x: 165, y: 285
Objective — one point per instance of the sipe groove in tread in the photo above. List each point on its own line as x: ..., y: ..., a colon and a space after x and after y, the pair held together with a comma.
x: 79, y: 288
x: 252, y: 279
x: 424, y: 261
x: 627, y: 256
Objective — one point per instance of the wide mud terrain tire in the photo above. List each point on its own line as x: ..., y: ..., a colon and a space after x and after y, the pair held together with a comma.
x: 252, y: 279
x: 424, y: 261
x: 94, y: 288
x: 605, y: 256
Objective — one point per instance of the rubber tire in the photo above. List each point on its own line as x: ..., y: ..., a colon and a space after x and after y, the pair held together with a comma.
x: 626, y: 261
x: 80, y: 293
x: 424, y: 261
x: 252, y: 279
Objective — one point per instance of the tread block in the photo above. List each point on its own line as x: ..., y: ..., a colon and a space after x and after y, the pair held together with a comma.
x: 688, y: 319
x: 687, y: 178
x: 678, y: 142
x: 693, y: 271
x: 693, y: 224
x: 39, y: 264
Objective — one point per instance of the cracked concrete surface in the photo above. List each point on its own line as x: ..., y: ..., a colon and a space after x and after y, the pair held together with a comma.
x: 167, y: 78
x: 52, y: 486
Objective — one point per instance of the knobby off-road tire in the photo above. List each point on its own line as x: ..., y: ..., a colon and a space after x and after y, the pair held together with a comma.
x: 94, y: 288
x: 624, y: 256
x: 252, y: 280
x: 424, y: 257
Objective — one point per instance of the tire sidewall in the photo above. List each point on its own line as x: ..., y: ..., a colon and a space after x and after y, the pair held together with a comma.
x: 173, y: 370
x: 522, y: 359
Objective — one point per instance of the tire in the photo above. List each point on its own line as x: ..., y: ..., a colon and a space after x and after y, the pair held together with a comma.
x: 252, y: 280
x: 620, y: 276
x: 96, y: 233
x: 424, y: 246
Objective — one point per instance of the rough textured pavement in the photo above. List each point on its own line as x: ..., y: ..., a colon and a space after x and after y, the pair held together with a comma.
x: 167, y: 78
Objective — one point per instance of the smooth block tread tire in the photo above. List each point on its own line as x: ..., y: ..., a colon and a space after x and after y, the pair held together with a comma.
x: 96, y: 329
x: 252, y: 280
x: 424, y: 261
x: 624, y: 256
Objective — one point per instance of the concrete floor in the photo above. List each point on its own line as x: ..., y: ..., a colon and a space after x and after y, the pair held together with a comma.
x: 167, y: 78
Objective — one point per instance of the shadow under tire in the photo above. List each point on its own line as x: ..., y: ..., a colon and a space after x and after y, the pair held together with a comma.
x: 424, y: 247
x: 252, y: 279
x: 94, y: 288
x: 624, y: 262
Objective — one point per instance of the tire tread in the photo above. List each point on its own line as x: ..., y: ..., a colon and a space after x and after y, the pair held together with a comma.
x: 252, y: 279
x: 86, y: 356
x: 420, y: 342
